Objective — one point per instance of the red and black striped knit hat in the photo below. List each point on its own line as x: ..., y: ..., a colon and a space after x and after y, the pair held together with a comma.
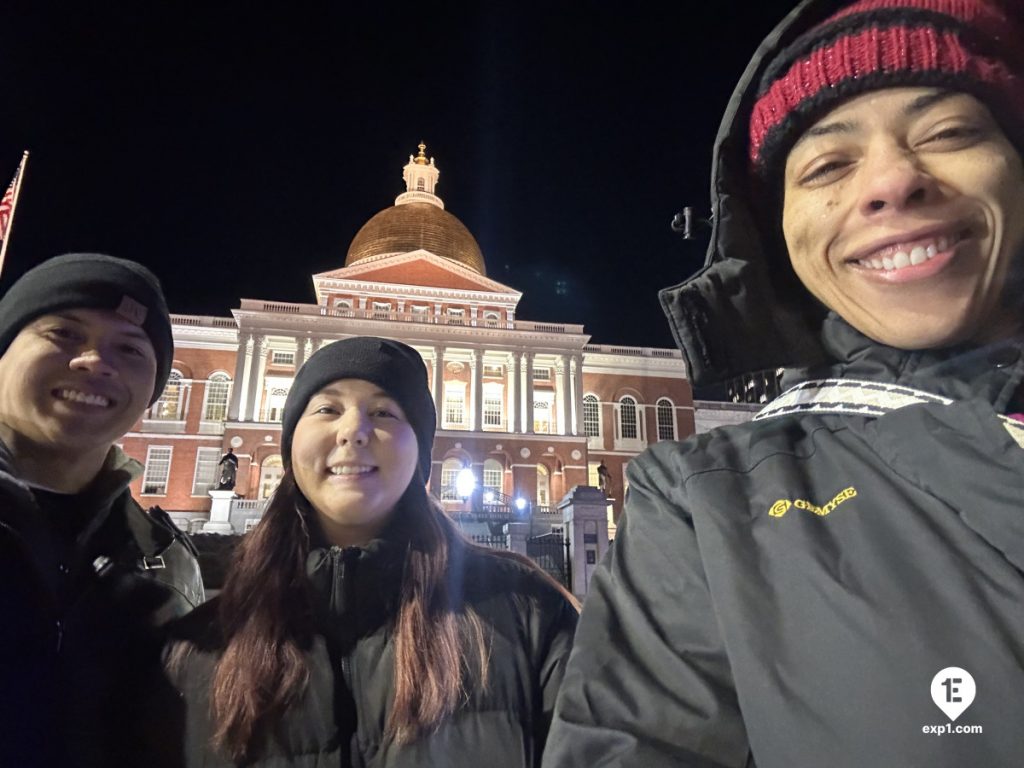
x: 972, y: 46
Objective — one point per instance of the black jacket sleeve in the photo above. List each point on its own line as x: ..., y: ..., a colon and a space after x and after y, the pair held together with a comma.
x: 648, y: 683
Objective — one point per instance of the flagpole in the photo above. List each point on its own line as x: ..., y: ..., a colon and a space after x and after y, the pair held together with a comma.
x: 14, y: 206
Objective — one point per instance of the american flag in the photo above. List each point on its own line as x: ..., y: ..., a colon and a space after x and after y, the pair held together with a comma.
x: 7, y: 203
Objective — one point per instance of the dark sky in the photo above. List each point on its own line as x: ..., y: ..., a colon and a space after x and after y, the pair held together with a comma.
x: 236, y: 150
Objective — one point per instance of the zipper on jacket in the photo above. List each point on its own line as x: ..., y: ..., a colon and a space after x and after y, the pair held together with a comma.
x: 345, y: 584
x: 60, y: 634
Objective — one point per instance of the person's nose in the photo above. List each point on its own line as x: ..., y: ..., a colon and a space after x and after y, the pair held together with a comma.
x: 353, y: 427
x: 894, y: 182
x: 90, y: 359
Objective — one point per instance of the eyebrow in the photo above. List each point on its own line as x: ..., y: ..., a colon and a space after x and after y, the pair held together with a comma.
x: 915, y: 107
x: 127, y: 329
x: 332, y: 390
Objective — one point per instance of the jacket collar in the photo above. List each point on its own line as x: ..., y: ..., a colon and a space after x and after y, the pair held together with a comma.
x: 992, y: 373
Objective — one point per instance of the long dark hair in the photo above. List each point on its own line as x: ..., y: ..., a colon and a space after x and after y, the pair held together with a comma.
x: 267, y: 622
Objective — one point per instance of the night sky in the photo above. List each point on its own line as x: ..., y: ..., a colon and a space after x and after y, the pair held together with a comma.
x: 237, y: 151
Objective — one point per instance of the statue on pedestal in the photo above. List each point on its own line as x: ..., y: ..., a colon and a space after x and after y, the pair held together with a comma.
x: 228, y: 470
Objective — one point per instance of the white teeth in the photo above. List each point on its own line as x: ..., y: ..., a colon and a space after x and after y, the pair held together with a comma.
x: 81, y: 397
x: 919, y: 254
x: 349, y: 470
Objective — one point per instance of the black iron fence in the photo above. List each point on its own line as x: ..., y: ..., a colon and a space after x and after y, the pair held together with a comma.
x: 550, y: 552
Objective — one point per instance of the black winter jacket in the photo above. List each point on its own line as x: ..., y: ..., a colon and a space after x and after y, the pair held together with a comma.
x: 786, y: 592
x: 79, y: 645
x: 340, y: 718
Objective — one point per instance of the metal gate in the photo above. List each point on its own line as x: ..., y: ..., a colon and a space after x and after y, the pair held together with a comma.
x: 549, y: 552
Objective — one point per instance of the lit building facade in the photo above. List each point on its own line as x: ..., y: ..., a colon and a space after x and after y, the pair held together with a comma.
x: 532, y: 408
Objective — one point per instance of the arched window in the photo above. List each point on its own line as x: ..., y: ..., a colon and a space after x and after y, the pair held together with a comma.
x: 628, y: 426
x: 218, y: 390
x: 449, y: 470
x: 492, y: 319
x: 666, y: 420
x: 493, y: 472
x: 169, y: 406
x: 421, y: 184
x: 543, y: 486
x: 271, y: 472
x: 591, y: 416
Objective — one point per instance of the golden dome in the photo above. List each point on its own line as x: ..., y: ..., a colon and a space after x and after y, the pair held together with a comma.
x: 410, y: 226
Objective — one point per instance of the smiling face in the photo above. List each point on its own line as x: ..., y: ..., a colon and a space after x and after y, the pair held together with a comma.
x: 903, y: 211
x: 72, y: 383
x: 354, y: 453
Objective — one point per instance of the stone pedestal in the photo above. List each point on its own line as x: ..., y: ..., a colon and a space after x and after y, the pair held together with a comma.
x: 584, y: 513
x: 516, y: 535
x: 220, y: 513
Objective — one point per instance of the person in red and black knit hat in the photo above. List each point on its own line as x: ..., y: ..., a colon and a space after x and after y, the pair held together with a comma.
x: 838, y: 582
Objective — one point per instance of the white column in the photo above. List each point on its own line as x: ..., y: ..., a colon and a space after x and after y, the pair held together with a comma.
x: 477, y: 365
x: 250, y: 408
x: 236, y: 386
x: 300, y: 352
x: 577, y: 395
x: 517, y: 411
x: 438, y: 381
x: 529, y: 393
x: 567, y: 395
x: 511, y: 387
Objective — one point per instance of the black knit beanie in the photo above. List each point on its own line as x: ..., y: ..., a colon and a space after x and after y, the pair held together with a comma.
x: 92, y: 281
x: 393, y: 366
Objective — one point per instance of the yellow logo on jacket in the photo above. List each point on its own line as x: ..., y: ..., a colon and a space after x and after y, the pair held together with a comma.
x: 782, y: 506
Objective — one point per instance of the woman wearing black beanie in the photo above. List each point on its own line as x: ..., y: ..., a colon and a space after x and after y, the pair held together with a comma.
x: 357, y: 627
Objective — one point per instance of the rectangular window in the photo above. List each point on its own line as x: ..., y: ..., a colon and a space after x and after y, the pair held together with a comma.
x: 494, y: 371
x: 591, y: 416
x: 448, y: 483
x: 541, y: 374
x: 158, y: 469
x: 280, y: 357
x: 381, y: 309
x: 542, y: 417
x: 454, y: 407
x: 492, y: 410
x: 218, y: 388
x: 206, y: 470
x: 492, y: 479
x: 420, y: 309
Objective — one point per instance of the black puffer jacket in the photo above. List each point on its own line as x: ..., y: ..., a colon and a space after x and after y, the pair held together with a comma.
x: 786, y: 592
x: 79, y: 642
x: 340, y: 719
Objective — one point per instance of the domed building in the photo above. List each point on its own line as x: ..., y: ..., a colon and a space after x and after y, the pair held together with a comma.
x: 535, y: 423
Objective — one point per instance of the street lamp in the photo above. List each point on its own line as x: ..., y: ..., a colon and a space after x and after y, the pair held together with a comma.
x: 465, y: 483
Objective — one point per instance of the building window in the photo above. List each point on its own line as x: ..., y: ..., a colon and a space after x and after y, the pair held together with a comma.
x: 593, y: 477
x: 218, y: 391
x: 628, y: 428
x: 542, y: 417
x: 158, y: 469
x: 666, y: 420
x: 169, y: 406
x: 492, y: 319
x: 280, y: 357
x: 492, y: 410
x: 421, y: 185
x: 454, y: 407
x: 344, y: 305
x: 493, y: 474
x: 271, y: 472
x: 420, y: 310
x: 382, y: 309
x: 275, y: 404
x: 541, y: 374
x: 543, y: 486
x: 591, y: 416
x: 206, y: 470
x: 456, y: 316
x: 494, y: 371
x: 449, y: 469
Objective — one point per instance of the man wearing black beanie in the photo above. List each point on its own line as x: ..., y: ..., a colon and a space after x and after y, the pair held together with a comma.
x: 86, y: 576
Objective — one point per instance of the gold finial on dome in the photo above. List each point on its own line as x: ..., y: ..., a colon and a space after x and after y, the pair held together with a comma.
x: 421, y: 158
